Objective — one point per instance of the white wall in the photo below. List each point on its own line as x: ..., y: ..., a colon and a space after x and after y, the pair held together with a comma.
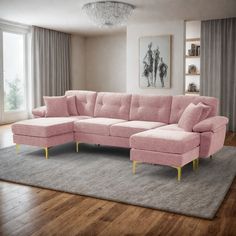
x: 78, y: 63
x: 111, y: 63
x: 193, y: 29
x: 134, y: 32
x: 106, y: 63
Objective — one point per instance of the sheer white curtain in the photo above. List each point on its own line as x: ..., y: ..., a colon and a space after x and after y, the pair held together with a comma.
x: 218, y: 65
x: 50, y: 63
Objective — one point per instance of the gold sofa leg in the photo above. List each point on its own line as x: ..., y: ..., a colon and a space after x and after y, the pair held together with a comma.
x: 179, y: 169
x: 194, y: 165
x: 46, y: 152
x: 17, y: 148
x: 77, y: 146
x: 197, y: 162
x: 134, y: 166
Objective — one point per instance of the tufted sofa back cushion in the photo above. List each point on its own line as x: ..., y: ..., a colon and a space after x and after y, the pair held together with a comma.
x: 85, y: 101
x: 179, y: 103
x: 113, y: 105
x: 150, y: 108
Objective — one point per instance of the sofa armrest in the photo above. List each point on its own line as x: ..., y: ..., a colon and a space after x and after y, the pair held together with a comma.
x: 211, y: 124
x: 39, y: 111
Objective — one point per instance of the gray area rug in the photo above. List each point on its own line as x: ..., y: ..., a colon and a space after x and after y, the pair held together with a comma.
x: 106, y: 173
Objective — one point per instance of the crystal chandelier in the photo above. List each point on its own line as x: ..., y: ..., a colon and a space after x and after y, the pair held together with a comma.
x: 108, y: 13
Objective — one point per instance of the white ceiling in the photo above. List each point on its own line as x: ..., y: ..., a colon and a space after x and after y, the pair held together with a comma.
x: 66, y: 15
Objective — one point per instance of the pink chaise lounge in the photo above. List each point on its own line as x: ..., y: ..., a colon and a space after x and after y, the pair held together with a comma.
x: 148, y: 124
x: 47, y: 132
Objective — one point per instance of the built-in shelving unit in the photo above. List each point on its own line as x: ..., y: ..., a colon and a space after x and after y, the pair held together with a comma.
x: 192, y: 58
x: 192, y: 93
x: 197, y: 74
x: 192, y: 39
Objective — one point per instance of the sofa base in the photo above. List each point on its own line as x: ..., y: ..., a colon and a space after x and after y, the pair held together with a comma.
x: 179, y: 169
x: 42, y: 142
x: 169, y: 159
x: 103, y: 140
x: 161, y: 158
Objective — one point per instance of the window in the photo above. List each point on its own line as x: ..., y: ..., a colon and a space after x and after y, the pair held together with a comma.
x: 13, y: 72
x: 13, y: 76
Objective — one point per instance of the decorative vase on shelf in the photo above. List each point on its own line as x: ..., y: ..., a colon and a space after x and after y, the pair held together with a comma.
x: 192, y: 87
x: 194, y: 50
x: 192, y: 69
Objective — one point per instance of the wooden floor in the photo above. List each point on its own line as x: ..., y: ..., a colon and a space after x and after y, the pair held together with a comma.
x: 26, y: 211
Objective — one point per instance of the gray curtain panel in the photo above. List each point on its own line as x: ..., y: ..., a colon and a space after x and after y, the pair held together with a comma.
x: 218, y: 65
x: 50, y: 63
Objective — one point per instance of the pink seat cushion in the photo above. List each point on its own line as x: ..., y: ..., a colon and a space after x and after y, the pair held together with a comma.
x: 167, y: 141
x: 113, y: 105
x: 56, y: 106
x: 190, y: 117
x: 71, y: 105
x: 126, y: 129
x: 180, y: 102
x: 150, y: 108
x: 173, y: 127
x: 43, y: 127
x: 75, y: 118
x: 85, y: 101
x: 97, y: 125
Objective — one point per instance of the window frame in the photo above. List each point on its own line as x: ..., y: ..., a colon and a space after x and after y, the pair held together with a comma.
x: 15, y: 28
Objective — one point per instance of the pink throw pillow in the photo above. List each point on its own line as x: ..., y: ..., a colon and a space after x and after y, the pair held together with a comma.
x: 205, y: 111
x: 72, y: 110
x: 190, y: 117
x: 56, y: 106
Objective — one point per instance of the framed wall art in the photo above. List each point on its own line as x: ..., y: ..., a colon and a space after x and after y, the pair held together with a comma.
x: 155, y: 61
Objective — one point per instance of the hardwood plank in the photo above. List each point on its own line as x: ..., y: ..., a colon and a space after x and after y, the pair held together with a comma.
x: 122, y: 222
x: 134, y: 222
x: 21, y: 205
x: 96, y: 227
x: 59, y: 209
x: 87, y: 218
x: 13, y: 193
x: 88, y: 207
x: 27, y: 217
x: 230, y: 139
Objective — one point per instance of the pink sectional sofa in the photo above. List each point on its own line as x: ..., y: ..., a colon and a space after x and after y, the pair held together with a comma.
x: 148, y: 124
